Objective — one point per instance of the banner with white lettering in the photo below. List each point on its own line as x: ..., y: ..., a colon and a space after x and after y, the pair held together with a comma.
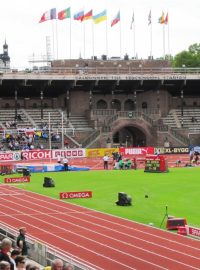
x: 12, y: 180
x: 172, y: 150
x: 76, y: 195
x: 136, y: 151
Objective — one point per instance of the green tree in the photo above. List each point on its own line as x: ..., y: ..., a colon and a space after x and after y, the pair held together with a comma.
x: 190, y: 58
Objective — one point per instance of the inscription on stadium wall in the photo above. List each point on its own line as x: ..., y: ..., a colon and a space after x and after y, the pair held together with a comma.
x: 131, y: 77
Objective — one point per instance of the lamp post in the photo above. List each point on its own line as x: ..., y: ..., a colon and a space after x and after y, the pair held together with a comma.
x: 182, y: 103
x: 41, y: 99
x: 15, y: 105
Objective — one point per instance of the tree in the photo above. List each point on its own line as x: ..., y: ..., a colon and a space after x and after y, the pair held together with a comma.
x: 190, y: 58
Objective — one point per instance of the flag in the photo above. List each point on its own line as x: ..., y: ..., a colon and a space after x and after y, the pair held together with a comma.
x: 149, y: 18
x: 100, y: 17
x: 48, y: 15
x: 64, y: 14
x: 79, y: 15
x: 116, y: 19
x: 161, y: 19
x: 88, y: 16
x: 132, y: 21
x: 166, y: 19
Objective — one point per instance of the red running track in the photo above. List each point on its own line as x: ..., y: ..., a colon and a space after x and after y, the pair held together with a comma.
x: 101, y: 241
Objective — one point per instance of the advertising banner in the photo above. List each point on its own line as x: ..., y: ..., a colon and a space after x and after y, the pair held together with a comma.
x: 76, y: 195
x: 11, y: 180
x: 172, y: 150
x: 193, y: 231
x: 136, y: 151
x: 69, y: 153
x: 100, y: 152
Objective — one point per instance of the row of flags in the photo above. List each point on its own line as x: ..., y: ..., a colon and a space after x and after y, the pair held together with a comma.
x: 100, y: 17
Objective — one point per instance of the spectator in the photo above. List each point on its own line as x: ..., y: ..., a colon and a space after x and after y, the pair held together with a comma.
x: 4, y: 265
x: 13, y: 255
x: 20, y: 262
x: 32, y: 267
x: 6, y: 246
x: 68, y: 267
x: 57, y: 264
x: 21, y: 241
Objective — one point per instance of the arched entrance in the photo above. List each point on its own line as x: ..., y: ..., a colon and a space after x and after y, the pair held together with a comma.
x: 129, y: 136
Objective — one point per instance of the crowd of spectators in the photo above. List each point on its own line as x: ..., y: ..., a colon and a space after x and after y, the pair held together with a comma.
x: 14, y: 256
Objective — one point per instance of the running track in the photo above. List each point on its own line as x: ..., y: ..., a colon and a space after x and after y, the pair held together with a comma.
x: 101, y: 241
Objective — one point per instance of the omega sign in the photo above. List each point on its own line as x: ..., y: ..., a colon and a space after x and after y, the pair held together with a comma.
x: 17, y: 180
x: 76, y: 195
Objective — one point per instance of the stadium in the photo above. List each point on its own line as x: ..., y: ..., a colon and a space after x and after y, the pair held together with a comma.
x: 99, y: 161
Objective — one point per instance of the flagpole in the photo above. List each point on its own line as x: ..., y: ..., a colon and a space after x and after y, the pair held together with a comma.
x: 163, y: 41
x: 56, y: 39
x: 151, y: 41
x: 93, y: 39
x: 134, y: 40
x: 120, y: 36
x: 83, y: 39
x: 106, y: 37
x: 168, y: 38
x: 53, y: 40
x: 70, y: 39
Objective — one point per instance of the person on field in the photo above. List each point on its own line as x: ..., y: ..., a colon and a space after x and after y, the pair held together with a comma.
x: 105, y: 162
x: 65, y: 163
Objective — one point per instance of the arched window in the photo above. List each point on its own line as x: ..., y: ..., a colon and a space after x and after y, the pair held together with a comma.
x: 129, y: 105
x: 7, y: 105
x: 46, y: 105
x: 18, y: 105
x: 34, y: 105
x: 144, y: 105
x: 116, y: 104
x: 102, y: 104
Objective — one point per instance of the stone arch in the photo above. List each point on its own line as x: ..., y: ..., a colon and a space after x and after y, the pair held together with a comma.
x: 101, y: 104
x: 132, y: 133
x: 116, y: 104
x: 129, y: 105
x: 129, y: 136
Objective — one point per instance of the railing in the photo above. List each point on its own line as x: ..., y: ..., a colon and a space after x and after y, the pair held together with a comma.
x: 41, y: 253
x: 91, y: 138
x: 106, y: 70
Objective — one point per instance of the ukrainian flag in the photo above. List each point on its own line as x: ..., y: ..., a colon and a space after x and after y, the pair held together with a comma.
x: 100, y: 17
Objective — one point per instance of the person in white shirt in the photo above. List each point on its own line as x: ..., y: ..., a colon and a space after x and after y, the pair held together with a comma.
x: 65, y: 163
x: 105, y: 162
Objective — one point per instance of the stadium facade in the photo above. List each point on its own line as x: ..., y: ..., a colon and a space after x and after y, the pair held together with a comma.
x: 126, y: 102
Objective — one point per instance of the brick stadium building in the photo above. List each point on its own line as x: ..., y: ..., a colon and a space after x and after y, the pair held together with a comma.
x: 107, y: 102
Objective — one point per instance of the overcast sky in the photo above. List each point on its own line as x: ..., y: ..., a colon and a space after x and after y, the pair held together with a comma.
x: 26, y: 37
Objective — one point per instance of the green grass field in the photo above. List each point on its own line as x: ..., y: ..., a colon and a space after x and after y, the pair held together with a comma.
x: 179, y: 190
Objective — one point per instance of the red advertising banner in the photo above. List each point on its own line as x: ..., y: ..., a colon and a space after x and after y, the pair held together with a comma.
x: 136, y: 151
x: 76, y: 195
x: 25, y: 179
x: 193, y: 231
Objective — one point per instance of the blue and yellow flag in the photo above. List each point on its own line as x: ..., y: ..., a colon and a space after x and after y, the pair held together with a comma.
x: 100, y: 17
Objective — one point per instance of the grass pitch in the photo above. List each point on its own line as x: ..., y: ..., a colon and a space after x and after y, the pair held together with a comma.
x: 179, y: 189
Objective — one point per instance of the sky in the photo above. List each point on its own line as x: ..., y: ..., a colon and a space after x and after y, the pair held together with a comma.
x: 27, y: 38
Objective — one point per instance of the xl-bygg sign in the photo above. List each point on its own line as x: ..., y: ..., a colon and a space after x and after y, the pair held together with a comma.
x: 13, y: 180
x: 76, y: 195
